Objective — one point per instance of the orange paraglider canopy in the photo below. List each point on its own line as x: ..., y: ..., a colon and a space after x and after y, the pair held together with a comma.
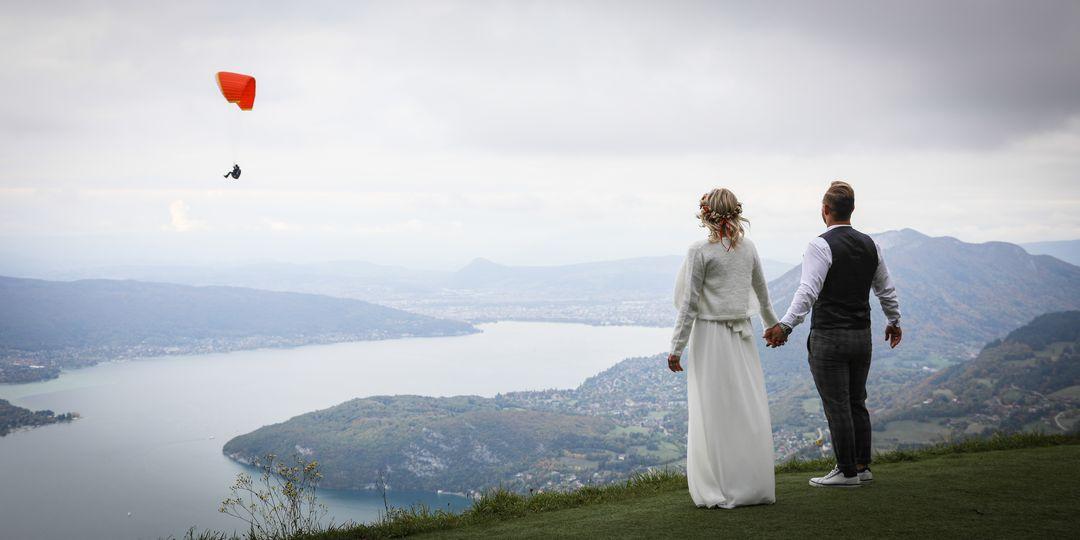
x: 237, y: 88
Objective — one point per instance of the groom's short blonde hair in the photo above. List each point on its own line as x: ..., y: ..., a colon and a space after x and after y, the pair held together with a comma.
x: 840, y: 198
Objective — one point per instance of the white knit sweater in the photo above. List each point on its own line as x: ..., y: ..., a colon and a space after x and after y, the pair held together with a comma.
x: 717, y: 284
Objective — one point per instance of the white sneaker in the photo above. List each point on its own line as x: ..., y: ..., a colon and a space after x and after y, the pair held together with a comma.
x: 836, y: 479
x: 865, y: 476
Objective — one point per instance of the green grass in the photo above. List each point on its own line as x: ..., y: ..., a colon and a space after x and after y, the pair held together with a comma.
x: 982, y: 495
x: 1019, y: 485
x: 969, y: 446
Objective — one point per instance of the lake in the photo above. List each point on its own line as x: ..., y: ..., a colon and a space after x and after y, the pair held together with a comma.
x: 150, y: 439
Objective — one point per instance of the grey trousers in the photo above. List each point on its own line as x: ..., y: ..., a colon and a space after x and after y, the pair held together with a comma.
x: 840, y: 363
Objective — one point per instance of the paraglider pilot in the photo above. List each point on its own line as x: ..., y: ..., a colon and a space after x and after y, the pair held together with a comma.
x: 235, y: 172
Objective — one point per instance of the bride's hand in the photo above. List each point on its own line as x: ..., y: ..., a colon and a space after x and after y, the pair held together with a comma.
x: 673, y: 363
x: 775, y: 336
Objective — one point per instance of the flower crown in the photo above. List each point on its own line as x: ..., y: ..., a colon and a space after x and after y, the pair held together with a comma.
x: 711, y: 215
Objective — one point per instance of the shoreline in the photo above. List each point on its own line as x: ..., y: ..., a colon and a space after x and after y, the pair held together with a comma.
x: 171, y: 351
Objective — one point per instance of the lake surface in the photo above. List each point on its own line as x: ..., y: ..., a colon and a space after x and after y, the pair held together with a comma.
x: 150, y: 439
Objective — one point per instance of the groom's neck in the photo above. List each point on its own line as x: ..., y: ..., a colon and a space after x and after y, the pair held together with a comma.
x: 829, y: 221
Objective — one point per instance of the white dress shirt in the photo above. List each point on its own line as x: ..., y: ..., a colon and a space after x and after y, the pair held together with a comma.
x: 816, y: 263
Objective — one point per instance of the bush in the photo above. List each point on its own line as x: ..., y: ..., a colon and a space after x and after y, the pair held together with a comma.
x: 282, y: 504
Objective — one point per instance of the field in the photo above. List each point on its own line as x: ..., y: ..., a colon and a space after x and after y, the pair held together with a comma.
x: 944, y: 497
x: 1022, y: 485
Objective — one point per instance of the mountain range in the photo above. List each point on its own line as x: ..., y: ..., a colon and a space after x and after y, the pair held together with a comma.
x: 628, y: 291
x: 954, y: 298
x: 45, y: 325
x: 968, y: 287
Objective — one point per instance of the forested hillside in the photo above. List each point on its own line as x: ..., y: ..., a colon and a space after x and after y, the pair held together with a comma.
x: 45, y: 325
x: 1028, y: 381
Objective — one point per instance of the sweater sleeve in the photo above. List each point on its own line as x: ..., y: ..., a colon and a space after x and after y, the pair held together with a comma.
x: 687, y: 301
x: 761, y: 289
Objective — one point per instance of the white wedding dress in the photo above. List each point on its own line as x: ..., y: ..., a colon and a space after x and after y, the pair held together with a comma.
x: 729, y: 447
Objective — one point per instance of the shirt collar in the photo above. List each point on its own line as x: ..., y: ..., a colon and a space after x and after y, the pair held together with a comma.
x: 837, y: 226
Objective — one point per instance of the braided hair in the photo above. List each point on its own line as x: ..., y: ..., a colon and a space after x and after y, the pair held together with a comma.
x: 721, y: 213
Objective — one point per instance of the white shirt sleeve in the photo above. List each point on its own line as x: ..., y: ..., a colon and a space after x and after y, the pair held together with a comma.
x: 689, y: 292
x: 885, y: 290
x: 816, y: 263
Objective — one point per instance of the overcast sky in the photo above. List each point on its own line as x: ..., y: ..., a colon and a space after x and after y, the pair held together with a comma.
x: 429, y: 133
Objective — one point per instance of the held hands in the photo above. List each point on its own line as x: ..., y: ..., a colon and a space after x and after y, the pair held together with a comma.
x: 893, y: 335
x: 673, y: 363
x: 775, y: 336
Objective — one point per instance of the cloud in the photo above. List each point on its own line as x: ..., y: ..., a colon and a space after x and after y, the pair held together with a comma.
x: 179, y: 220
x: 567, y: 78
x: 533, y: 131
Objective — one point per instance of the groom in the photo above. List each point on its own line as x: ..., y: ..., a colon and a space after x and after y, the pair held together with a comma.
x: 839, y: 269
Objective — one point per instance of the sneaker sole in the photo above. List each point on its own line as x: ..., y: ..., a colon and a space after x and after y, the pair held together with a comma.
x: 815, y: 484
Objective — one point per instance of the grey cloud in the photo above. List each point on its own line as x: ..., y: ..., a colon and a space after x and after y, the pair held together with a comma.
x: 805, y: 76
x: 568, y: 77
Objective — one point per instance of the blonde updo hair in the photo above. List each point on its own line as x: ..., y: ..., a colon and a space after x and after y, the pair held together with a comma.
x: 721, y: 213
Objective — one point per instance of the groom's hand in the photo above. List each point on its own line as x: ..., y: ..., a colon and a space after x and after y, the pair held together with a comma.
x: 893, y: 335
x: 673, y: 363
x: 775, y: 336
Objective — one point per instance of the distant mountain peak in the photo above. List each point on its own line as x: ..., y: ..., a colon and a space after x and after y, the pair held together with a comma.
x: 480, y: 263
x: 479, y: 272
x: 901, y: 237
x: 481, y: 267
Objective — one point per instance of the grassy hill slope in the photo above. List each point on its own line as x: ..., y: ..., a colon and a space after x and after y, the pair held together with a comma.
x: 1006, y: 486
x: 981, y: 495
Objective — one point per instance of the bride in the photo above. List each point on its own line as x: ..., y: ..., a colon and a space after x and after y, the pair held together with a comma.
x: 729, y: 448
